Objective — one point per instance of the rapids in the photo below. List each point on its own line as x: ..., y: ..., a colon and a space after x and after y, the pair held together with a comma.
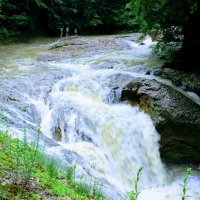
x: 73, y: 102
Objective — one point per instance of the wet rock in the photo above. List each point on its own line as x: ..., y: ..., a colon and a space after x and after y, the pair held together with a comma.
x: 176, y: 117
x: 85, y: 46
x: 104, y: 65
x: 61, y: 118
x: 15, y: 94
x: 57, y: 136
x: 186, y: 80
x: 116, y: 83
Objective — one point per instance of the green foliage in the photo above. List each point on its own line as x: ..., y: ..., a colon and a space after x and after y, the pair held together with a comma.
x: 70, y: 174
x: 160, y: 19
x: 133, y: 195
x: 40, y: 16
x: 158, y: 15
x: 20, y: 20
x: 25, y: 173
x: 24, y: 159
x: 59, y: 189
x: 96, y: 189
x: 187, y: 174
x: 89, y: 187
x: 52, y: 168
x: 165, y: 50
x: 41, y: 4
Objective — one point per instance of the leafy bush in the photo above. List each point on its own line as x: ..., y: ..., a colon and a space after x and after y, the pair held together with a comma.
x: 166, y: 50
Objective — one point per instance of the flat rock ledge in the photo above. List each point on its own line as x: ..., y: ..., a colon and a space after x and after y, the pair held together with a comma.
x: 74, y: 47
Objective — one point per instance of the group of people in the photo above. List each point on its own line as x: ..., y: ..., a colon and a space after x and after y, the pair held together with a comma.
x: 67, y: 31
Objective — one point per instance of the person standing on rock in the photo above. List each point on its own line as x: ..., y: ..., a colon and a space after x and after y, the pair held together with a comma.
x: 76, y: 31
x: 61, y: 31
x: 67, y: 31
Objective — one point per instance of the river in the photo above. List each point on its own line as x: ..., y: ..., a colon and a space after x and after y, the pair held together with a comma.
x: 73, y: 101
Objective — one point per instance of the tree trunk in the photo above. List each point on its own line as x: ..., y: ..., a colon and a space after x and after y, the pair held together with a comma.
x: 191, y: 43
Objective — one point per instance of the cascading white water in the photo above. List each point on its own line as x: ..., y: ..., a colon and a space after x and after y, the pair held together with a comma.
x: 115, y: 139
x: 123, y: 137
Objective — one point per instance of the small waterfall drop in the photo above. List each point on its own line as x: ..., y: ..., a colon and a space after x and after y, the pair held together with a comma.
x: 115, y: 139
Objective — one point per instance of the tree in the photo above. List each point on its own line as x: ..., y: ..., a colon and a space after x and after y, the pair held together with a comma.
x: 47, y: 16
x: 176, y: 22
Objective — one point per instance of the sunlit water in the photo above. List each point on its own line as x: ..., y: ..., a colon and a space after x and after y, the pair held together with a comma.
x: 115, y: 139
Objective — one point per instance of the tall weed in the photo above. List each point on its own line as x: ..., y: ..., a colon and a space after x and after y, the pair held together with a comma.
x: 186, y: 176
x: 133, y: 195
x: 25, y: 158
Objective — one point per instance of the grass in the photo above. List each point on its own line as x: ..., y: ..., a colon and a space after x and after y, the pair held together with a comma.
x: 186, y: 176
x: 25, y: 173
x: 133, y: 195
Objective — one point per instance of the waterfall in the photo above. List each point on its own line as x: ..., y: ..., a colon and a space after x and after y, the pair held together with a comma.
x: 115, y: 139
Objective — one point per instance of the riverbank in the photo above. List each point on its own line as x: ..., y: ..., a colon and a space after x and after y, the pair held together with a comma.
x: 16, y: 40
x: 25, y: 173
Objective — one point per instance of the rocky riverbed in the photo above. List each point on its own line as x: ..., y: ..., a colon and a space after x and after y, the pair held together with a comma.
x: 105, y: 104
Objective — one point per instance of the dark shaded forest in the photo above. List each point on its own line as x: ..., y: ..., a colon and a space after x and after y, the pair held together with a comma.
x: 47, y: 16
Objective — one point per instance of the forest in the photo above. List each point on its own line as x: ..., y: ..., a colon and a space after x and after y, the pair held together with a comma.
x: 46, y: 17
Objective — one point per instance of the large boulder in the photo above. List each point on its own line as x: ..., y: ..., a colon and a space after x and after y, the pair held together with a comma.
x: 188, y: 81
x: 176, y: 117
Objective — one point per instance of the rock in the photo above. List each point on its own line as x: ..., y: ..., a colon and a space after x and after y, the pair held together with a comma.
x: 86, y: 46
x: 176, y: 117
x: 116, y: 83
x: 58, y: 135
x: 104, y: 65
x: 186, y: 80
x: 16, y: 91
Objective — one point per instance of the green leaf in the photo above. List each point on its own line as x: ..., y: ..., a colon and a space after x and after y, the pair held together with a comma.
x: 41, y: 4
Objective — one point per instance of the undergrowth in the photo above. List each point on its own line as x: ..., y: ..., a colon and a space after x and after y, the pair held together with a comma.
x: 25, y: 173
